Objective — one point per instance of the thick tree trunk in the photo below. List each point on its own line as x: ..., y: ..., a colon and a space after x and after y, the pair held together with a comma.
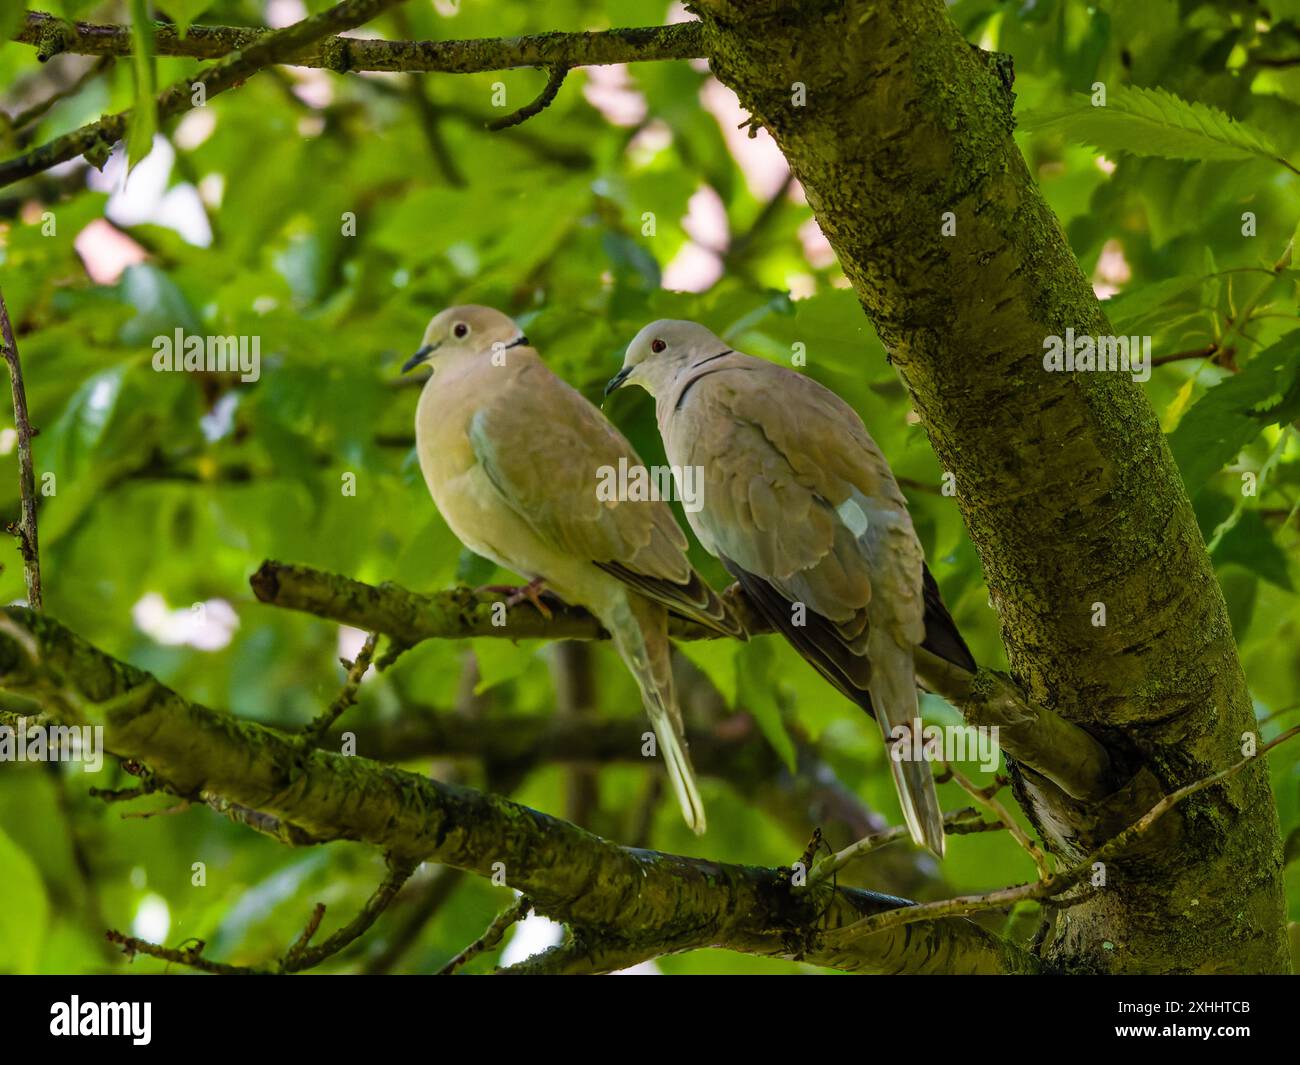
x: 1065, y: 482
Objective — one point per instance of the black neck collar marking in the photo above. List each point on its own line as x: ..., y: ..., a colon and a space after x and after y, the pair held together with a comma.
x: 691, y: 384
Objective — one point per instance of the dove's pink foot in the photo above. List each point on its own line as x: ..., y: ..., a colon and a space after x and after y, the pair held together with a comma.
x: 532, y: 591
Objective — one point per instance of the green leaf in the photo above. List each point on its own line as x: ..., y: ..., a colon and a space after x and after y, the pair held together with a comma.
x: 756, y: 692
x: 1230, y: 415
x: 502, y: 660
x: 184, y: 12
x: 1178, y: 405
x: 12, y: 13
x: 1155, y: 122
x: 1240, y: 591
x: 144, y: 116
x: 1291, y: 850
x: 1250, y: 544
x: 24, y: 909
x: 716, y: 659
x: 1129, y: 308
x: 81, y: 425
x: 160, y: 305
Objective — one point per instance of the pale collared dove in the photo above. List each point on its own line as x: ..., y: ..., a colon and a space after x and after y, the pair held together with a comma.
x: 802, y: 509
x: 512, y: 456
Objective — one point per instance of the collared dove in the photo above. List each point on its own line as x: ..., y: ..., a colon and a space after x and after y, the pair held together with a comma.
x: 802, y: 509
x: 512, y: 455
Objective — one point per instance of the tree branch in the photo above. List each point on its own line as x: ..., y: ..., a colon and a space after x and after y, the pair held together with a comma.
x: 682, y: 40
x: 554, y: 79
x: 490, y: 938
x: 458, y: 613
x: 735, y: 751
x: 1055, y: 748
x: 1055, y: 885
x: 647, y: 902
x: 26, y: 527
x: 347, y: 696
x: 96, y: 139
x: 299, y: 956
x: 1042, y: 740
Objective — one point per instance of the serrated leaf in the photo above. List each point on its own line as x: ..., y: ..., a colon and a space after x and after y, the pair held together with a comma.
x: 1127, y: 309
x: 144, y: 116
x: 1230, y: 415
x: 1155, y: 122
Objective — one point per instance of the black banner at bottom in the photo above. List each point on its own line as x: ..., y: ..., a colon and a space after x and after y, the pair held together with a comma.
x: 337, y: 1014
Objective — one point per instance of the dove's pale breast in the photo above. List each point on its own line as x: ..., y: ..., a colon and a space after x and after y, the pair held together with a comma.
x: 467, y: 498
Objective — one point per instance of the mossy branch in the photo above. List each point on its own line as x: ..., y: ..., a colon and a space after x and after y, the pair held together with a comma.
x: 628, y: 904
x: 596, y: 48
x: 1061, y: 752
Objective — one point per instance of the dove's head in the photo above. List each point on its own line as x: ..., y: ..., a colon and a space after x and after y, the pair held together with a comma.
x: 661, y: 351
x: 472, y: 329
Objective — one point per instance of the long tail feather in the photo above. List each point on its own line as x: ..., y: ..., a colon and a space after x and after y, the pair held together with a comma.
x: 893, y: 694
x: 640, y: 634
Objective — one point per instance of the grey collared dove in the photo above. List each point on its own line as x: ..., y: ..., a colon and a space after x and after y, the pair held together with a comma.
x: 800, y: 506
x: 512, y: 456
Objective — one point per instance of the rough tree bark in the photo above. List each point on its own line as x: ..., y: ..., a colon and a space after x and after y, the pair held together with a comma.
x: 1064, y: 480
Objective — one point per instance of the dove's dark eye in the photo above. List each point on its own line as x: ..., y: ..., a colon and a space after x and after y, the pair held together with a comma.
x: 460, y: 330
x: 657, y: 345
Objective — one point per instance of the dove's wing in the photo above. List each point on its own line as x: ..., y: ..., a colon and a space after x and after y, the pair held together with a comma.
x: 805, y: 513
x: 543, y: 446
x: 791, y: 484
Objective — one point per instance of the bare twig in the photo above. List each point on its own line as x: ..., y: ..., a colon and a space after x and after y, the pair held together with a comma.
x: 957, y: 823
x: 985, y: 797
x: 25, y: 530
x: 490, y: 938
x: 399, y: 872
x: 38, y: 110
x: 347, y: 696
x: 191, y: 956
x: 299, y: 956
x: 1055, y: 884
x: 429, y: 898
x: 554, y: 80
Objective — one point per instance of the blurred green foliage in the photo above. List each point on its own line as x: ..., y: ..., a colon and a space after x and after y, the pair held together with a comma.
x: 178, y: 485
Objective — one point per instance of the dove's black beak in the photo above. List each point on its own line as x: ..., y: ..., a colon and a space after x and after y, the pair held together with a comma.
x: 419, y: 357
x: 617, y: 380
